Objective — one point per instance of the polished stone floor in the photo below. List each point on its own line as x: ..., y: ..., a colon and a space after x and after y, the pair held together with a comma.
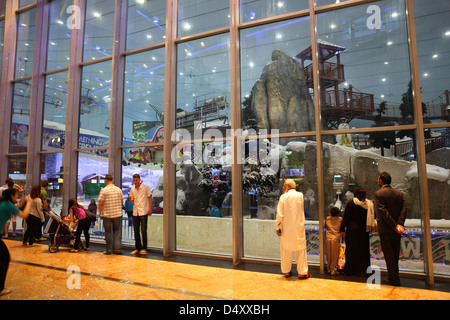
x: 36, y: 274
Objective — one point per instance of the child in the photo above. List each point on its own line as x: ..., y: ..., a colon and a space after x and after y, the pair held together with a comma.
x: 333, y: 236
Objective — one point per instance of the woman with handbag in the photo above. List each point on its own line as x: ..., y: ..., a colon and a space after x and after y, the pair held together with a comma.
x: 77, y: 212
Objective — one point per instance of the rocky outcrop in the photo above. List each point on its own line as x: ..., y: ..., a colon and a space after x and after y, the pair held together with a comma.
x: 280, y: 97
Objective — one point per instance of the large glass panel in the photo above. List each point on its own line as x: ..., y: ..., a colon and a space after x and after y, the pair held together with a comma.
x: 437, y: 147
x: 51, y: 170
x: 92, y: 169
x: 203, y: 83
x: 146, y: 23
x: 58, y: 48
x: 95, y: 105
x: 54, y: 125
x: 2, y: 30
x: 252, y: 10
x: 363, y: 62
x: 327, y: 2
x: 20, y: 117
x: 357, y: 163
x: 433, y: 40
x: 267, y: 164
x: 203, y: 196
x: 99, y: 30
x: 203, y: 15
x: 23, y: 3
x: 275, y: 92
x: 25, y: 43
x: 143, y: 118
x: 148, y: 163
x: 17, y: 169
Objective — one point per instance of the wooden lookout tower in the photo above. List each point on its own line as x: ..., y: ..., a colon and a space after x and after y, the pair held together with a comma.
x: 337, y: 105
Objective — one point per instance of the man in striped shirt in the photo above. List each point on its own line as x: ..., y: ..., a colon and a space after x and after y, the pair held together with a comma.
x: 110, y: 207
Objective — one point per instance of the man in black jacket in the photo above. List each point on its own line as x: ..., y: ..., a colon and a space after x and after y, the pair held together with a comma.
x: 391, y: 215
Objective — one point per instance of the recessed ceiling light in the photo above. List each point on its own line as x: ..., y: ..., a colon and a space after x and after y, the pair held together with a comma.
x: 435, y: 56
x: 389, y: 43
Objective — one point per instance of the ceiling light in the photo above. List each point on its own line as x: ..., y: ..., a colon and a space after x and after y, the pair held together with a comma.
x: 280, y: 4
x: 389, y: 43
x: 187, y: 26
x: 384, y: 79
x: 149, y: 36
x: 97, y: 15
x: 140, y: 1
x: 447, y: 33
x: 251, y: 64
x: 394, y: 15
x: 425, y: 74
x: 435, y: 56
x: 333, y: 26
x: 59, y: 22
x: 386, y: 62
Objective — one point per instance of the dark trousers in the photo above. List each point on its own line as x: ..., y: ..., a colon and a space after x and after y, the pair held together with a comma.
x: 140, y: 226
x: 83, y: 226
x: 390, y: 245
x: 33, y: 226
x: 4, y: 264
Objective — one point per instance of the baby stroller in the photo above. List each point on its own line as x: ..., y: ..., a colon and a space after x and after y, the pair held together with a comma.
x: 58, y: 230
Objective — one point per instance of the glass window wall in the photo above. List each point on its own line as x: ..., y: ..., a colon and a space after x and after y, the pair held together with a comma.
x: 437, y: 148
x: 200, y: 16
x: 363, y: 61
x: 58, y: 48
x: 267, y: 165
x: 146, y: 23
x: 148, y: 163
x: 357, y: 164
x: 25, y: 43
x: 20, y: 117
x: 55, y: 102
x: 144, y: 98
x: 95, y: 105
x: 203, y: 84
x: 51, y: 170
x: 275, y: 92
x: 99, y: 30
x: 432, y: 24
x: 252, y: 10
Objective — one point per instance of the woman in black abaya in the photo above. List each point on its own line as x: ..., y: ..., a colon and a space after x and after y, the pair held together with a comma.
x: 358, y: 222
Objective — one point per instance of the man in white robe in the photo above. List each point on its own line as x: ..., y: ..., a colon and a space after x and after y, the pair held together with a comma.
x: 290, y: 226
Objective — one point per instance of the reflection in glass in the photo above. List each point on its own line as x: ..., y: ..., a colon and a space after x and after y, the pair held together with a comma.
x: 25, y: 43
x: 146, y: 23
x: 364, y: 61
x: 17, y: 169
x: 437, y: 148
x: 58, y: 36
x: 433, y: 39
x: 144, y: 97
x: 358, y: 163
x: 203, y: 197
x: 148, y: 163
x: 54, y: 126
x: 98, y: 33
x: 95, y: 105
x: 274, y: 85
x: 262, y: 185
x: 203, y: 15
x: 2, y: 30
x: 252, y: 10
x: 20, y: 116
x: 203, y: 83
x: 51, y: 170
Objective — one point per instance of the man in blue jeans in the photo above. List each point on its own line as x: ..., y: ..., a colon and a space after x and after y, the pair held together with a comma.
x: 110, y: 208
x: 141, y: 197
